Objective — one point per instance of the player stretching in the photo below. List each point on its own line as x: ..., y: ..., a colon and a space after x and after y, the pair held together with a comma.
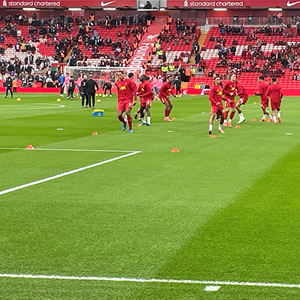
x: 126, y: 90
x: 229, y: 91
x: 264, y: 99
x: 164, y: 93
x: 243, y: 94
x: 275, y: 94
x: 215, y: 97
x: 146, y: 97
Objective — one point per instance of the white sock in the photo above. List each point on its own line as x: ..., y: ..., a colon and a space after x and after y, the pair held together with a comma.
x: 210, y: 127
x: 274, y: 118
x: 148, y: 120
x: 278, y: 114
x: 270, y: 116
x: 241, y: 116
x: 220, y: 126
x: 264, y: 116
x: 229, y: 120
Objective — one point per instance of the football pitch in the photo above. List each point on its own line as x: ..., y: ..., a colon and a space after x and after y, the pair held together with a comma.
x: 120, y: 216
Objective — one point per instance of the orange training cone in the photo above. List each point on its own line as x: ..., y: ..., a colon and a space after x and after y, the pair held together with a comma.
x: 213, y: 136
x: 30, y: 147
x: 175, y: 150
x: 173, y: 118
x: 253, y: 120
x: 138, y: 124
x: 237, y: 126
x: 95, y: 133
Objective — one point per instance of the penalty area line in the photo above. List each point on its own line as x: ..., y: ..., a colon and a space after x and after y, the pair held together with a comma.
x: 152, y: 280
x: 23, y: 186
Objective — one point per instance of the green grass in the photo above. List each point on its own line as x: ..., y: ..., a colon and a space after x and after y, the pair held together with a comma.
x: 220, y: 209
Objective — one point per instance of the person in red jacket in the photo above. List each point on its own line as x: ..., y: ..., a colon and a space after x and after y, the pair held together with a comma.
x: 215, y: 98
x: 146, y: 97
x: 243, y: 94
x: 126, y: 92
x: 264, y: 99
x: 164, y: 94
x: 274, y: 92
x: 229, y: 91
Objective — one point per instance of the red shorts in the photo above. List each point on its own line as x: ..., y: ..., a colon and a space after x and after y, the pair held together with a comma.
x: 275, y: 105
x: 216, y: 108
x: 146, y: 102
x: 230, y: 104
x: 264, y: 103
x: 123, y: 105
x: 164, y: 100
x: 243, y: 100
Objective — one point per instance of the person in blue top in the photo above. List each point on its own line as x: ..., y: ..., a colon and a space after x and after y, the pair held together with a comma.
x: 61, y: 80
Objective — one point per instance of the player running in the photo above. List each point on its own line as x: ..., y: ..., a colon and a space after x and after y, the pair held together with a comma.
x: 164, y: 93
x: 215, y: 97
x: 146, y: 97
x: 229, y: 91
x: 276, y: 95
x: 264, y: 99
x: 126, y: 91
x: 243, y: 94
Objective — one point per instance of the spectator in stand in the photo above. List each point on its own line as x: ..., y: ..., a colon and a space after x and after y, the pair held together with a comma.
x: 148, y: 5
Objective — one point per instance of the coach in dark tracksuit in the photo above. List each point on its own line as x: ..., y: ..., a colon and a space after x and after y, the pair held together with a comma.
x: 83, y: 92
x: 9, y: 84
x: 91, y: 87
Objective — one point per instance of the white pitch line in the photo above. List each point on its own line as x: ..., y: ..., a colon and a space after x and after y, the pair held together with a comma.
x: 66, y: 173
x: 152, y: 280
x: 70, y: 150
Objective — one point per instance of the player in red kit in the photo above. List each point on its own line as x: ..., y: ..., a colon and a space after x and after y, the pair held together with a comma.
x: 243, y: 94
x: 274, y: 92
x: 229, y: 91
x: 215, y: 97
x: 164, y: 93
x: 146, y: 97
x: 264, y: 99
x: 126, y: 91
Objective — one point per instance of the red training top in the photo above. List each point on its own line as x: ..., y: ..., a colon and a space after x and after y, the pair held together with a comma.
x: 275, y: 93
x: 263, y: 89
x: 215, y: 95
x: 241, y: 91
x: 229, y: 88
x: 145, y: 91
x: 126, y: 90
x: 165, y: 90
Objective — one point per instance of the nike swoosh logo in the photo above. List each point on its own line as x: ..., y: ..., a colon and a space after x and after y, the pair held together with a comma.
x: 289, y: 4
x: 106, y: 3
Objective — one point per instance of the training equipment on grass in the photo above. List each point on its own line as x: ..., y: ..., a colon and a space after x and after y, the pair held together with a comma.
x: 18, y: 99
x: 30, y: 147
x: 58, y: 100
x: 98, y: 113
x: 99, y: 100
x: 95, y: 133
x: 174, y: 150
